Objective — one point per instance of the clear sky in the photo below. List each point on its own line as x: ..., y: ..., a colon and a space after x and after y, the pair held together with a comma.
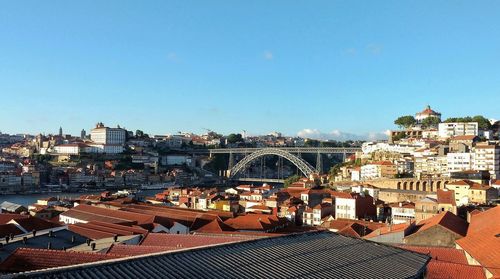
x: 321, y: 68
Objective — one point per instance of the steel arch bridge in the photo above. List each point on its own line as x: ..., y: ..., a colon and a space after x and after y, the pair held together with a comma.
x: 300, y: 163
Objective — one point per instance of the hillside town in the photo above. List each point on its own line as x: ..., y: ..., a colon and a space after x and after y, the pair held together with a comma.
x: 431, y: 190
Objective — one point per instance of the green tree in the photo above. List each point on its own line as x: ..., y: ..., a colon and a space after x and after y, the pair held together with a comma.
x: 139, y: 133
x: 430, y: 122
x: 311, y: 143
x: 483, y: 122
x: 290, y: 180
x: 406, y: 121
x: 234, y: 138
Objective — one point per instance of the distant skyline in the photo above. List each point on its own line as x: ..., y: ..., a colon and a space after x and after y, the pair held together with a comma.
x: 321, y: 69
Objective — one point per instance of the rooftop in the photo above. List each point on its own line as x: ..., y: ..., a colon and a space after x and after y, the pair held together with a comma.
x: 482, y: 241
x: 26, y: 259
x: 447, y: 220
x: 291, y: 256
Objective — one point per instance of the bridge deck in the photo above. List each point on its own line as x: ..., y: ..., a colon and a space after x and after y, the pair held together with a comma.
x: 314, y: 150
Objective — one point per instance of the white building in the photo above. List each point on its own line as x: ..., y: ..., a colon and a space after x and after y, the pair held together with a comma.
x: 487, y: 157
x: 345, y: 207
x: 426, y: 113
x: 402, y: 148
x: 449, y: 130
x: 104, y: 148
x: 432, y: 165
x: 105, y: 135
x: 70, y: 148
x: 402, y: 212
x: 371, y: 190
x: 378, y: 170
x: 459, y: 162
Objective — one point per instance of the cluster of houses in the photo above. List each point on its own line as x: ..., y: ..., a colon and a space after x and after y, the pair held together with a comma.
x: 429, y: 152
x: 117, y: 225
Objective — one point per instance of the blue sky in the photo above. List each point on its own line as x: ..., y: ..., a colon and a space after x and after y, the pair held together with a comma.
x: 322, y: 68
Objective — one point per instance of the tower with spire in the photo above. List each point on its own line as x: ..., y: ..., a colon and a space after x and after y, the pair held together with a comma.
x: 60, y: 131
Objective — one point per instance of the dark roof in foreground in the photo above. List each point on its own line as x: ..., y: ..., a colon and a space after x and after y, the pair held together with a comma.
x: 309, y: 255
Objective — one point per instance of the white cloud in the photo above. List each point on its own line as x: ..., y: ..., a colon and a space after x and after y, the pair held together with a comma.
x: 341, y: 136
x: 268, y: 55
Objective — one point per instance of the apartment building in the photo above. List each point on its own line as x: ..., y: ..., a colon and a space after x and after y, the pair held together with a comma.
x: 487, y: 157
x: 449, y: 130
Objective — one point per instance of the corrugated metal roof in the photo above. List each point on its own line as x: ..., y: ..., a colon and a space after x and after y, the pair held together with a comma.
x: 309, y: 255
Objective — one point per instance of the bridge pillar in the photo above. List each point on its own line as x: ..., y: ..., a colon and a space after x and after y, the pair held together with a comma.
x: 231, y: 160
x: 319, y: 163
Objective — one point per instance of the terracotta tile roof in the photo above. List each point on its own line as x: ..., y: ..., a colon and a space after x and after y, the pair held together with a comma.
x: 447, y: 220
x: 341, y: 195
x: 7, y: 217
x: 443, y: 254
x: 446, y: 196
x: 215, y: 226
x: 260, y: 207
x: 482, y: 241
x: 112, y: 213
x: 26, y: 259
x: 100, y: 230
x: 87, y: 216
x: 461, y: 183
x: 35, y: 224
x: 89, y: 233
x: 256, y: 222
x: 383, y: 163
x: 477, y: 186
x: 354, y: 228
x: 388, y: 230
x: 464, y: 137
x: 8, y: 229
x: 185, y: 241
x: 136, y: 250
x: 440, y: 269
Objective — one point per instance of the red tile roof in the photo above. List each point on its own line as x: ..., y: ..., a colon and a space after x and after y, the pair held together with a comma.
x: 7, y: 217
x: 440, y: 270
x: 100, y: 230
x: 136, y: 250
x: 215, y: 226
x: 464, y: 137
x: 388, y: 230
x: 35, y: 224
x: 256, y: 222
x: 447, y: 220
x: 185, y: 241
x: 8, y: 229
x: 482, y: 241
x: 461, y: 183
x: 443, y: 254
x: 25, y: 259
x: 446, y: 196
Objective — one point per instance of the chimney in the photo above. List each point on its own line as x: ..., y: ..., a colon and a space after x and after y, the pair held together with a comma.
x: 115, y: 238
x: 25, y: 240
x: 49, y: 245
x: 34, y: 233
x: 93, y: 246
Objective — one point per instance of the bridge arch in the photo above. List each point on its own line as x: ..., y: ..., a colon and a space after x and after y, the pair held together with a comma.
x: 300, y: 163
